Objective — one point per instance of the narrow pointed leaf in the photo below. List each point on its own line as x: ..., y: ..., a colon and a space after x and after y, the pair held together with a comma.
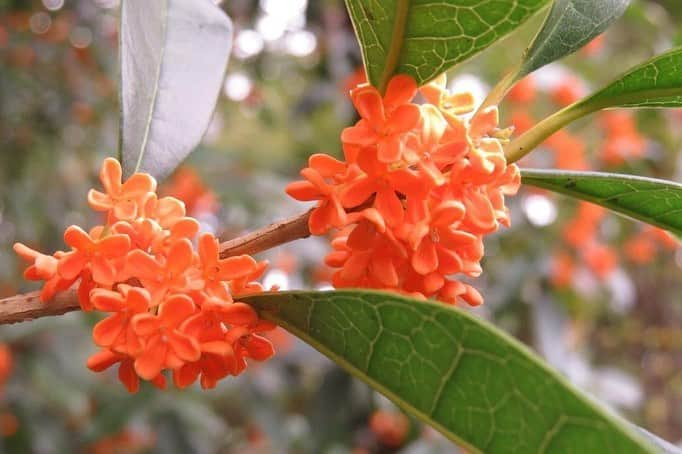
x: 173, y: 59
x: 424, y: 38
x: 656, y: 83
x: 479, y: 387
x: 656, y: 202
x: 570, y: 25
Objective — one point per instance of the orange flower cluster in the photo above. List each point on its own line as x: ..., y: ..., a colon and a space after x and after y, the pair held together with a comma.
x: 169, y: 307
x: 420, y: 187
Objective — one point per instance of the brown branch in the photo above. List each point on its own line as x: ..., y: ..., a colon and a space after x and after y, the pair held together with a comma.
x: 19, y: 308
x: 278, y: 233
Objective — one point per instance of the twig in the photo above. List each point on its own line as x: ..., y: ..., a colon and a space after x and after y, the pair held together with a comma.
x: 20, y: 308
x: 278, y: 233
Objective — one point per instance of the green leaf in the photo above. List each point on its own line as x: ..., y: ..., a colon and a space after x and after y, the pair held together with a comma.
x: 478, y: 386
x: 424, y: 38
x: 570, y: 25
x: 656, y: 202
x: 173, y: 58
x: 656, y: 83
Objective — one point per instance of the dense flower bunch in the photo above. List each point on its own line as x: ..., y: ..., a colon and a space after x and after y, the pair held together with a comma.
x: 420, y: 187
x: 169, y: 306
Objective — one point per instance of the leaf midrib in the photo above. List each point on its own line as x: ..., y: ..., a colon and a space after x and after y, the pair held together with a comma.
x: 157, y: 78
x: 396, y: 47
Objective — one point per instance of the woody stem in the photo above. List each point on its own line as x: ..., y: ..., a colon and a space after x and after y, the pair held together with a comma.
x: 23, y: 307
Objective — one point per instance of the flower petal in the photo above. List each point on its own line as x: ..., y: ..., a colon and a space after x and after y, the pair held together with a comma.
x: 138, y: 300
x: 326, y: 165
x: 390, y: 149
x: 71, y: 264
x: 185, y: 228
x: 186, y: 375
x: 400, y: 90
x: 176, y: 309
x: 103, y: 272
x: 78, y: 238
x: 389, y: 206
x: 149, y: 364
x: 425, y: 259
x: 107, y: 331
x: 99, y: 201
x: 208, y: 250
x: 358, y: 191
x: 303, y: 191
x: 102, y: 360
x: 236, y: 267
x: 259, y: 348
x: 146, y: 324
x: 107, y: 300
x: 369, y: 105
x: 125, y: 210
x: 142, y: 265
x: 127, y: 376
x: 239, y: 314
x: 110, y: 176
x: 360, y: 134
x: 403, y: 119
x: 138, y: 185
x: 187, y: 348
x: 180, y: 256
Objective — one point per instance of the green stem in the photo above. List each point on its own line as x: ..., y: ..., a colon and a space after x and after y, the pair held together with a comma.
x: 500, y: 90
x: 524, y: 144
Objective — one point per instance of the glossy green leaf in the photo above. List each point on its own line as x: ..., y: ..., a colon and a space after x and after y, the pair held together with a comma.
x: 173, y: 59
x: 656, y: 202
x: 569, y: 26
x: 424, y: 38
x: 656, y: 83
x: 478, y: 386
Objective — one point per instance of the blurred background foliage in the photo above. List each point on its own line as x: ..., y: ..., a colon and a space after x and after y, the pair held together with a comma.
x: 598, y: 296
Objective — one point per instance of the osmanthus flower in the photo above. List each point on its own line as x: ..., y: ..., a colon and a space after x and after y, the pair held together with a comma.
x: 322, y: 177
x: 420, y: 188
x: 120, y: 199
x: 169, y: 307
x: 43, y: 268
x: 385, y: 119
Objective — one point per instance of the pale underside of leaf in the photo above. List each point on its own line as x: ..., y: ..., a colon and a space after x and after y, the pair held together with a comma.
x: 478, y: 386
x: 173, y: 59
x: 570, y: 25
x: 656, y: 202
x: 424, y: 38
